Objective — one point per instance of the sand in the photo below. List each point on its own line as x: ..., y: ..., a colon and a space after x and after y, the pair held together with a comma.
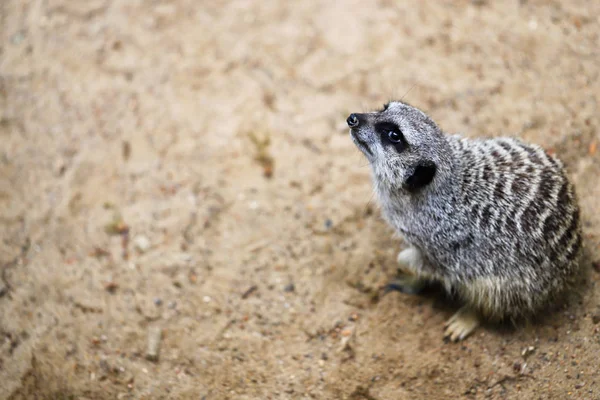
x: 183, y: 214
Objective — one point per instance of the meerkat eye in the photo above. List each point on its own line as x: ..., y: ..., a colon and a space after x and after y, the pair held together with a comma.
x: 391, y: 135
x: 394, y: 137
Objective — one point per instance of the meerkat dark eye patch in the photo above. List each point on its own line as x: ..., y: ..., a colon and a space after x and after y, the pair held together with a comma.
x: 422, y: 176
x: 391, y: 135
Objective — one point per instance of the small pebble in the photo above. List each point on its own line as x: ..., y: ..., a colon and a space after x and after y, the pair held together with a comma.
x: 172, y: 305
x: 527, y: 351
x: 157, y: 301
x: 328, y: 223
x: 289, y: 287
x: 206, y: 299
x: 249, y: 291
x: 533, y: 24
x: 517, y: 367
x: 596, y: 318
x: 141, y: 243
x: 596, y: 265
x: 154, y: 338
x: 111, y: 286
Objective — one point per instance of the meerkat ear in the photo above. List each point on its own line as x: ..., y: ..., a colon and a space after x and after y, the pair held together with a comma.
x: 421, y: 176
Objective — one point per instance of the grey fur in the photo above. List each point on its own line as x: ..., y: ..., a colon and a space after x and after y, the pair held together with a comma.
x: 499, y: 222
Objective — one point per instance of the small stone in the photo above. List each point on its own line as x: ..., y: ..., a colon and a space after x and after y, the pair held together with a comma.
x: 154, y: 338
x: 157, y: 301
x: 527, y: 351
x: 517, y: 367
x: 328, y: 223
x: 533, y: 24
x: 172, y: 305
x: 111, y: 286
x: 206, y: 299
x: 596, y: 265
x: 141, y: 243
x: 596, y: 318
x: 345, y: 343
x: 249, y: 291
x: 289, y: 287
x: 60, y: 168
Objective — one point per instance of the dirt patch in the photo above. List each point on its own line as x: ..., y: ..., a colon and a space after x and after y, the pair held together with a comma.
x: 184, y: 167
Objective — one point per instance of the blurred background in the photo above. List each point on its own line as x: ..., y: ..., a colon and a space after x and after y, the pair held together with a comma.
x: 183, y: 214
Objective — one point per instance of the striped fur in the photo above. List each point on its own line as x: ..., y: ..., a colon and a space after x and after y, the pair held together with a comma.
x: 499, y: 224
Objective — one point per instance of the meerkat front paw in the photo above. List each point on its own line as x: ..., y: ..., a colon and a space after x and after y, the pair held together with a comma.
x: 461, y: 324
x: 408, y: 281
x: 410, y: 259
x: 408, y: 284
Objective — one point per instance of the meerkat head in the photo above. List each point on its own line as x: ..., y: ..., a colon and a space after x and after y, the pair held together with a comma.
x: 405, y: 148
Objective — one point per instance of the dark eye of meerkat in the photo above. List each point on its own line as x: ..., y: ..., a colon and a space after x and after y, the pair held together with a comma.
x: 394, y: 137
x: 391, y: 135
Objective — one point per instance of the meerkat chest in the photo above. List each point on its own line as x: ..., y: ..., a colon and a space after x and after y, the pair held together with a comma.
x: 440, y: 232
x: 422, y: 224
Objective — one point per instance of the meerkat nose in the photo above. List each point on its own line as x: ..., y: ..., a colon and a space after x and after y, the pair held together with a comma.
x: 352, y: 121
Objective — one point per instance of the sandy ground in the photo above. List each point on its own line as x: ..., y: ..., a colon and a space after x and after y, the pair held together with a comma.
x: 184, y: 166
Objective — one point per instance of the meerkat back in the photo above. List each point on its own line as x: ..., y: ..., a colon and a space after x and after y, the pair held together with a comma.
x: 523, y: 208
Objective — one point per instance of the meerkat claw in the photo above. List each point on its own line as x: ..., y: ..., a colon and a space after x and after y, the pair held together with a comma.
x: 406, y: 284
x: 461, y: 324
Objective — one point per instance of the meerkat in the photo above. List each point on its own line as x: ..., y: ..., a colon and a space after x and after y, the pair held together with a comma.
x: 495, y: 221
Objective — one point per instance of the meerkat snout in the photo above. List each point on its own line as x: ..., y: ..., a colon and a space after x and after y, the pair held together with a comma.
x: 352, y: 121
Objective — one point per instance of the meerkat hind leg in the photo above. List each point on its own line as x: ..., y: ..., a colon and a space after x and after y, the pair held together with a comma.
x: 461, y: 324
